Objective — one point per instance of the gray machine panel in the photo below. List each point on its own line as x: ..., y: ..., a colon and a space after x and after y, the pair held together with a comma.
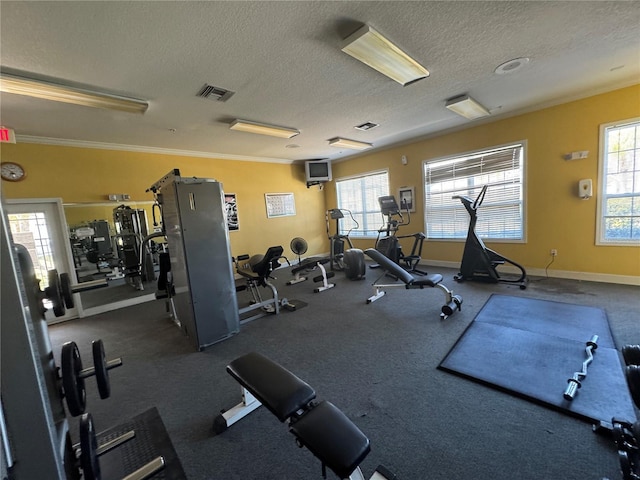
x: 193, y: 213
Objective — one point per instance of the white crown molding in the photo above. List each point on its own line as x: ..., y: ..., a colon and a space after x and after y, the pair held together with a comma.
x: 142, y: 149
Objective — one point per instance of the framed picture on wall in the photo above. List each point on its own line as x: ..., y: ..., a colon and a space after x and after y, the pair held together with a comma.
x: 406, y: 198
x: 231, y: 205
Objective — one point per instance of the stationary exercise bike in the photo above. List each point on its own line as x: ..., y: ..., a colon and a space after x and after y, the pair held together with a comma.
x: 480, y: 263
x: 389, y: 244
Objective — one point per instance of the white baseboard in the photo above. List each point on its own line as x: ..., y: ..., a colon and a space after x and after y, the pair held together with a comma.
x: 540, y: 272
x: 117, y: 305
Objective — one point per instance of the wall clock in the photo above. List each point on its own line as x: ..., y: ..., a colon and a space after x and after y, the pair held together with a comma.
x: 11, y: 172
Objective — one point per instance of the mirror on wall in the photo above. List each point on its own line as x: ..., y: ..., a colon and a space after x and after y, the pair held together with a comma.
x: 119, y: 242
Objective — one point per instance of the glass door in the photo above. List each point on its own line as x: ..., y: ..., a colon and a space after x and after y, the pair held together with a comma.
x: 40, y: 226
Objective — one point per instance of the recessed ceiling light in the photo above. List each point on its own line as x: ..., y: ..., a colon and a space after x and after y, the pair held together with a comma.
x: 373, y: 49
x: 292, y: 145
x: 61, y: 92
x: 263, y: 129
x: 346, y: 143
x: 511, y: 66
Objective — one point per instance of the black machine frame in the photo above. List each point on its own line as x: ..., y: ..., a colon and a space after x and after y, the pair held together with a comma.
x: 480, y: 263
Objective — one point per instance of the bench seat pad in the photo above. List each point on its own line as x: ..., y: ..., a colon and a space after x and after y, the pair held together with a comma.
x: 411, y: 281
x: 426, y: 281
x: 274, y: 386
x: 332, y: 437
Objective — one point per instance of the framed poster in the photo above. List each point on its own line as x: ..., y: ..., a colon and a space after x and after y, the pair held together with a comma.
x: 406, y: 198
x: 280, y: 204
x: 231, y: 205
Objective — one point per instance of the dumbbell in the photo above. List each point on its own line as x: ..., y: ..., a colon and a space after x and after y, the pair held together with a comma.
x: 631, y: 354
x: 633, y: 381
x: 73, y: 375
x: 60, y: 291
x: 89, y: 453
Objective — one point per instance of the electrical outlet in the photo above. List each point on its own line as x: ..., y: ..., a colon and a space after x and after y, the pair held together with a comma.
x: 554, y: 252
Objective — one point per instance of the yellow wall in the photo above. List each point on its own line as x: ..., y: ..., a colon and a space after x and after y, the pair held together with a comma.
x: 86, y: 175
x: 555, y: 216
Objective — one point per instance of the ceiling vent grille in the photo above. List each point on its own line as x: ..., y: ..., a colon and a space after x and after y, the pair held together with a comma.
x: 367, y: 126
x: 215, y: 93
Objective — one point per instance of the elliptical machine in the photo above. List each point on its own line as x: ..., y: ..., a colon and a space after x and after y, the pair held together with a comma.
x: 389, y: 245
x: 480, y: 263
x: 350, y: 261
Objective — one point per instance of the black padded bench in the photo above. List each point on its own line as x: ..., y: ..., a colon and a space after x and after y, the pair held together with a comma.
x: 319, y: 426
x: 452, y: 302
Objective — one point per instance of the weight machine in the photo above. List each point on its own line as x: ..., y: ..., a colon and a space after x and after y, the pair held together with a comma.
x: 389, y: 245
x: 35, y: 441
x: 201, y: 284
x: 131, y: 229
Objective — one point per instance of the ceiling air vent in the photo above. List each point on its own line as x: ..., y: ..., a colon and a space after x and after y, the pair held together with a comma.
x: 366, y: 126
x: 215, y: 93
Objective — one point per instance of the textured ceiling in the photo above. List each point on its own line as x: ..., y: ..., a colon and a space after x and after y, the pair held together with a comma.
x: 284, y: 62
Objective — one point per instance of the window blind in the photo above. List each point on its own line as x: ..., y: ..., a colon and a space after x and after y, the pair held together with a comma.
x: 360, y: 196
x: 501, y: 214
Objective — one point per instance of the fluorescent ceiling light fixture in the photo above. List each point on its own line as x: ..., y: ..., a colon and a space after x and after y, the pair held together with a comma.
x: 371, y: 48
x: 467, y: 107
x: 59, y: 92
x: 262, y: 129
x: 352, y: 144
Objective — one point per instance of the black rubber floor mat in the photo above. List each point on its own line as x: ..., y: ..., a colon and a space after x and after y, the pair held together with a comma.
x: 530, y: 348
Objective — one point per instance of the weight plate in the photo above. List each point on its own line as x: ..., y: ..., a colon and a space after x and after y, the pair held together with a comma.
x: 631, y: 354
x: 100, y: 367
x: 73, y: 385
x: 54, y: 293
x: 88, y: 449
x: 633, y: 380
x: 65, y: 287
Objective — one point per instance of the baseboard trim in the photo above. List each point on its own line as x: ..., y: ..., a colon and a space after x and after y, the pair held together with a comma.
x: 540, y: 272
x: 116, y: 305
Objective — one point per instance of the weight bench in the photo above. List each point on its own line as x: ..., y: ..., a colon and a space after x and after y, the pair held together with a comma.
x: 311, y: 264
x: 320, y: 426
x: 452, y: 302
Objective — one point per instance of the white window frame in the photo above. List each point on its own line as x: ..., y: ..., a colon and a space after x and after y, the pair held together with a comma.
x: 355, y: 233
x: 462, y: 211
x: 602, y: 181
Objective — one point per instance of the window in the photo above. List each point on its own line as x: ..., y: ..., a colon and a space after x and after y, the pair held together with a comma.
x: 619, y: 207
x: 501, y: 216
x: 360, y: 196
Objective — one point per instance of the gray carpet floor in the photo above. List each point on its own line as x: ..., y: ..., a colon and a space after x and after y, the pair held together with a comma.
x: 377, y: 363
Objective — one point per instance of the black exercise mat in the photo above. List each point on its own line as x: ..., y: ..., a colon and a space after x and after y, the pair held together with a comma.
x: 530, y: 348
